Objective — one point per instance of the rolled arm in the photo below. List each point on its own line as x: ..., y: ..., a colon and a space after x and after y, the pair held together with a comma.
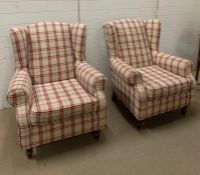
x: 176, y: 65
x: 90, y: 78
x: 125, y: 71
x: 20, y: 90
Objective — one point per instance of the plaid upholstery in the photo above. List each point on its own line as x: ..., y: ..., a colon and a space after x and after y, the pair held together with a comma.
x: 89, y: 78
x: 148, y: 90
x: 173, y: 64
x: 59, y: 100
x: 50, y: 52
x: 135, y: 98
x: 50, y: 103
x: 34, y: 135
x: 19, y: 91
x: 153, y: 33
x: 159, y: 82
x: 78, y: 32
x: 132, y: 42
x: 109, y: 32
x: 125, y: 71
x: 19, y: 43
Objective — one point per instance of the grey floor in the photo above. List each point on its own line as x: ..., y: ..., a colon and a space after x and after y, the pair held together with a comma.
x: 169, y: 146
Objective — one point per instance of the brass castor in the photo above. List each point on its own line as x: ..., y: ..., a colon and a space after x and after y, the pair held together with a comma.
x: 29, y: 153
x: 96, y: 134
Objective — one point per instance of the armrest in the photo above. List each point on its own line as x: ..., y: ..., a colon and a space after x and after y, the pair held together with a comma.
x: 125, y: 71
x: 176, y: 65
x: 20, y: 90
x: 90, y: 78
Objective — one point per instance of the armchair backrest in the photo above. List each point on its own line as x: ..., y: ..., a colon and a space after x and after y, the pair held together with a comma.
x: 49, y: 50
x: 133, y: 40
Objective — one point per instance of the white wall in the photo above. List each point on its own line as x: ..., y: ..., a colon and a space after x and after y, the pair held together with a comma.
x: 179, y: 29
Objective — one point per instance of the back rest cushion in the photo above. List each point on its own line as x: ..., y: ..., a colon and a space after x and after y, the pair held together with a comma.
x: 50, y: 56
x: 132, y: 42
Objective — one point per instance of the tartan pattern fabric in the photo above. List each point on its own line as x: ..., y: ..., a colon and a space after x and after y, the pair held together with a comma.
x: 35, y: 135
x: 173, y: 64
x: 159, y: 82
x: 111, y: 44
x: 153, y: 33
x: 90, y: 78
x: 19, y: 43
x: 165, y: 85
x: 125, y: 71
x: 78, y: 32
x: 20, y: 88
x: 60, y: 100
x: 135, y: 98
x: 50, y: 52
x: 153, y: 27
x: 132, y: 42
x: 56, y: 93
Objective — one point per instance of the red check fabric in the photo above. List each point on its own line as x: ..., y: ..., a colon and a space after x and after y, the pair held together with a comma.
x: 78, y: 32
x: 50, y: 56
x: 136, y: 99
x: 125, y: 71
x: 147, y: 90
x: 20, y: 88
x: 159, y: 82
x: 90, y: 78
x: 19, y: 42
x: 34, y: 135
x: 60, y: 100
x: 173, y: 64
x: 111, y: 43
x: 57, y: 95
x: 153, y: 27
x: 132, y: 42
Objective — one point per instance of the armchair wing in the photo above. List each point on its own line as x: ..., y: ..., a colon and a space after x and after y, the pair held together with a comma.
x: 20, y: 90
x: 125, y: 71
x: 176, y: 65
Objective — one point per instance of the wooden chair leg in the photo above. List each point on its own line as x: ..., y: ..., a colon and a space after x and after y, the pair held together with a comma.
x: 184, y: 110
x: 140, y: 124
x: 96, y: 134
x: 114, y: 97
x: 29, y: 153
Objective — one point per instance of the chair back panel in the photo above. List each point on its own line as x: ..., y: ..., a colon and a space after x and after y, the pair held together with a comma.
x: 132, y: 42
x: 134, y: 33
x: 50, y: 55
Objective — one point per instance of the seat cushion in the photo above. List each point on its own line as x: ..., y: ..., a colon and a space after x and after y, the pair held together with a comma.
x: 59, y: 100
x: 132, y: 42
x: 160, y: 82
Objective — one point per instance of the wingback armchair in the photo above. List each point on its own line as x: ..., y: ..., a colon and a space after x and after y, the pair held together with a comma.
x: 56, y: 94
x: 148, y: 82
